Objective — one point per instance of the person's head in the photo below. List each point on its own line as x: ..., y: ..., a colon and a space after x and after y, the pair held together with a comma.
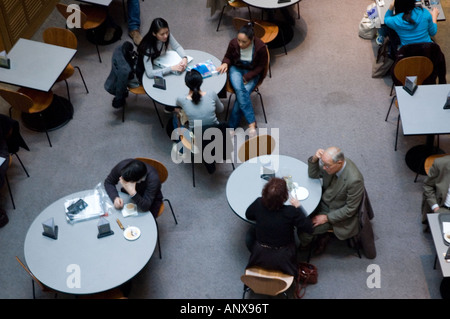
x: 332, y: 160
x: 275, y: 193
x: 134, y: 171
x: 405, y: 7
x: 159, y: 31
x: 194, y: 80
x: 245, y: 36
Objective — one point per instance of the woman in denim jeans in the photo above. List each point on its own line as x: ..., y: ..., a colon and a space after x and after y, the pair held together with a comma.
x: 245, y: 60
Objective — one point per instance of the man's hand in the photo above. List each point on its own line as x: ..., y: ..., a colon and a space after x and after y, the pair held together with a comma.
x: 319, y: 220
x: 118, y: 203
x: 130, y: 187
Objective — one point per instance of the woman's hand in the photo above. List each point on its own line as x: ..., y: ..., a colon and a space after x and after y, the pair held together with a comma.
x: 391, y: 6
x: 294, y: 202
x: 178, y: 67
x: 223, y: 68
x: 130, y: 187
x: 118, y: 203
x: 434, y: 14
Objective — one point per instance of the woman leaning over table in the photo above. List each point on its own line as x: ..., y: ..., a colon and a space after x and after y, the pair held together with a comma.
x: 245, y: 61
x: 413, y: 24
x: 272, y: 240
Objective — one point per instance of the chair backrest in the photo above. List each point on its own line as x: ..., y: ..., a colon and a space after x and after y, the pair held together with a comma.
x: 266, y: 282
x: 61, y: 37
x: 17, y: 100
x: 62, y: 9
x: 430, y: 160
x: 160, y: 168
x: 419, y: 66
x: 40, y: 284
x: 256, y: 146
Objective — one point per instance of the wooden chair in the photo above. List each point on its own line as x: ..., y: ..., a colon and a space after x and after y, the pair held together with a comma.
x: 229, y: 88
x: 163, y: 174
x: 29, y: 101
x: 428, y: 163
x: 91, y: 17
x: 141, y: 91
x: 419, y: 66
x: 234, y: 4
x: 64, y: 38
x: 256, y: 146
x: 43, y: 287
x: 266, y: 282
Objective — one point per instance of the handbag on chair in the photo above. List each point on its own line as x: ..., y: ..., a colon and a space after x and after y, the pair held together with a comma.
x: 307, y: 274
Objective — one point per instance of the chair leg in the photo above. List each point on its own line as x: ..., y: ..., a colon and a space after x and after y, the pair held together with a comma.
x: 193, y: 173
x: 220, y: 18
x: 389, y: 110
x: 10, y: 192
x: 298, y: 10
x: 82, y: 78
x: 262, y: 104
x: 45, y: 128
x: 67, y: 88
x: 396, y: 134
x: 228, y: 107
x: 173, y: 214
x: 123, y: 113
x: 96, y: 46
x: 157, y: 113
x: 23, y: 166
x: 159, y: 244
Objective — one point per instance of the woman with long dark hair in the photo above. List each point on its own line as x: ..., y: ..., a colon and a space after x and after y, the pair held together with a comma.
x: 413, y: 24
x: 197, y: 104
x: 272, y: 240
x: 154, y: 44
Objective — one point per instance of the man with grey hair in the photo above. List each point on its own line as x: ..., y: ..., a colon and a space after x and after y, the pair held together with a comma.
x: 342, y: 192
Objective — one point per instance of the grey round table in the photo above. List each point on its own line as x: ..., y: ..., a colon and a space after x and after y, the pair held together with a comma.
x: 78, y: 262
x: 175, y: 85
x: 245, y: 183
x: 270, y: 4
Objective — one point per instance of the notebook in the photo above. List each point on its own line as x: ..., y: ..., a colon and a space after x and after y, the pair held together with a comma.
x: 168, y: 59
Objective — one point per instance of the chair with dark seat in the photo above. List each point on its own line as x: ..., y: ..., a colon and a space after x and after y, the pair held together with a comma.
x: 91, y: 17
x: 234, y: 5
x: 43, y: 287
x: 266, y: 282
x: 419, y: 66
x: 229, y: 88
x: 64, y: 38
x: 29, y: 101
x: 163, y: 174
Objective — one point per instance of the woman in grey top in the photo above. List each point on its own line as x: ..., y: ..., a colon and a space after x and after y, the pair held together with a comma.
x: 154, y: 44
x: 199, y: 105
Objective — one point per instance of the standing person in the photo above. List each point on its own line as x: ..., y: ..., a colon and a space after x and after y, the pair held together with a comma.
x: 137, y: 179
x: 245, y: 61
x: 436, y: 188
x: 342, y: 192
x: 134, y: 21
x: 272, y: 240
x: 413, y: 24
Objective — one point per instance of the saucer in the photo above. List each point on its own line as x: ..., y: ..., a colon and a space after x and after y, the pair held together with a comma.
x: 132, y: 233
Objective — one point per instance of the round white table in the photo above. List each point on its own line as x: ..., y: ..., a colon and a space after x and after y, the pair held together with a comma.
x: 175, y: 85
x: 245, y: 183
x: 270, y: 4
x: 78, y: 262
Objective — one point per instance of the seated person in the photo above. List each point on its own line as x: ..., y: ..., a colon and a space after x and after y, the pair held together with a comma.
x: 154, y: 44
x: 245, y: 61
x: 342, y: 192
x: 272, y: 240
x: 436, y: 188
x: 199, y: 105
x: 140, y: 181
x: 413, y: 24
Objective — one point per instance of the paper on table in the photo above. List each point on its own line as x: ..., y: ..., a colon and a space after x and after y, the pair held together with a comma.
x: 2, y: 159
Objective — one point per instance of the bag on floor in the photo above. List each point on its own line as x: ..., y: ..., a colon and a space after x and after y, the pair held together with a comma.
x: 307, y: 274
x: 383, y: 62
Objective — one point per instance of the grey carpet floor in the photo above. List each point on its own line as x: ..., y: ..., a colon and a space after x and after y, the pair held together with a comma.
x: 320, y: 94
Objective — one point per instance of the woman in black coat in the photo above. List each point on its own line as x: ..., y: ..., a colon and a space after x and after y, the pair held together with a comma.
x: 272, y: 241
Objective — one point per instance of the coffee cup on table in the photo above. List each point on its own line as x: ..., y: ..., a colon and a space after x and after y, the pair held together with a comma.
x: 130, y: 207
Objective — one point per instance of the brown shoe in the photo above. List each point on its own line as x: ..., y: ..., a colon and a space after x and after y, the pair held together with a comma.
x: 136, y: 36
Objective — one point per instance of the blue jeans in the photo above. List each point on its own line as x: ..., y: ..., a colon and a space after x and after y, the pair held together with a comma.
x: 243, y: 104
x: 134, y: 15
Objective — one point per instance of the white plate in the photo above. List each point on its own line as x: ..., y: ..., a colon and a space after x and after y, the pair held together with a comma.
x: 447, y: 237
x: 132, y: 233
x: 300, y: 193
